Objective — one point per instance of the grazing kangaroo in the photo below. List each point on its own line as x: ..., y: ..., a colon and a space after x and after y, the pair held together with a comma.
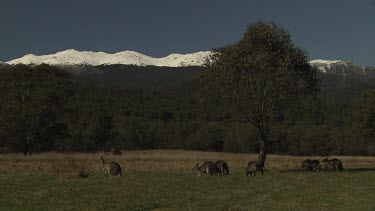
x: 252, y: 168
x: 208, y: 168
x: 324, y: 165
x: 315, y: 165
x: 332, y: 164
x: 223, y: 167
x: 110, y: 168
x: 335, y: 164
x: 307, y: 165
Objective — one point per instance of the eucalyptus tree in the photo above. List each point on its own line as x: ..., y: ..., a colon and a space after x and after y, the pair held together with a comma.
x: 261, y: 76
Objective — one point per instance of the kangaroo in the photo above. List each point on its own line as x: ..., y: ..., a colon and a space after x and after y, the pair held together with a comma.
x: 110, y: 168
x: 324, y: 165
x: 252, y: 168
x: 307, y: 165
x: 208, y: 168
x: 335, y: 164
x: 223, y: 167
x: 315, y: 165
x: 331, y: 164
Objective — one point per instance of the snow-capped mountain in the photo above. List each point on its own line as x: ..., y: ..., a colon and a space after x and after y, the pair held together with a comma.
x: 73, y: 57
x: 342, y: 68
x: 324, y: 65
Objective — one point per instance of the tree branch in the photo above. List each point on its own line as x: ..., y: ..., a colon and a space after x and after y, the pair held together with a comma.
x: 280, y: 138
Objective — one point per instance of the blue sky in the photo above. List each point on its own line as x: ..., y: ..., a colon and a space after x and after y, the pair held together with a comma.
x: 327, y: 29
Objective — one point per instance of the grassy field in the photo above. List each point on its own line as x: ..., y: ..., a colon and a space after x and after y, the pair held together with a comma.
x: 163, y: 180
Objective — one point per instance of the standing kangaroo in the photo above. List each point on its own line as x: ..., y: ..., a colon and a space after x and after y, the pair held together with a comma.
x: 208, y: 168
x: 223, y: 167
x: 110, y: 168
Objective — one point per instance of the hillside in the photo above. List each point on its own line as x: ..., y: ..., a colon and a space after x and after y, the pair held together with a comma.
x: 342, y: 79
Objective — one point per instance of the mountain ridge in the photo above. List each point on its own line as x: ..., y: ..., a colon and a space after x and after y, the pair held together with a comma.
x: 73, y: 57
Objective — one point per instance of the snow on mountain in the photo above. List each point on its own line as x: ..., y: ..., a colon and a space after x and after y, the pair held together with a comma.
x: 324, y: 62
x: 325, y: 65
x: 342, y: 68
x: 73, y: 57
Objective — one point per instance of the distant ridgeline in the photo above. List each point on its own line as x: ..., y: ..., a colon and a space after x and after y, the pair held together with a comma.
x: 339, y: 79
x: 148, y: 107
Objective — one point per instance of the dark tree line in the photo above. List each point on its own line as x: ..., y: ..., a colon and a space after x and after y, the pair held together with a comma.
x: 42, y: 110
x: 30, y: 105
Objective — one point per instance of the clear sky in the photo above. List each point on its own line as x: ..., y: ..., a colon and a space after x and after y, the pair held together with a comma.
x: 327, y: 29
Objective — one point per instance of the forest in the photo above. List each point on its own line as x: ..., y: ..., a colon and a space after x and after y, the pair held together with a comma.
x: 119, y: 107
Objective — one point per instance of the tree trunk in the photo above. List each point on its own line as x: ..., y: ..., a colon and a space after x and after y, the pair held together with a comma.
x: 262, y: 151
x: 31, y: 151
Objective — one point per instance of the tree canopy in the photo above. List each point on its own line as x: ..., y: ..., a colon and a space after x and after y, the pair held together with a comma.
x: 30, y: 101
x: 261, y: 76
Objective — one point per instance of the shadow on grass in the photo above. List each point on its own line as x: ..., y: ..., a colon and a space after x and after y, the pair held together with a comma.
x: 350, y: 170
x: 356, y: 170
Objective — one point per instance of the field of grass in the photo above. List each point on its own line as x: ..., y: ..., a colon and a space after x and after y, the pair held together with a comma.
x: 163, y: 180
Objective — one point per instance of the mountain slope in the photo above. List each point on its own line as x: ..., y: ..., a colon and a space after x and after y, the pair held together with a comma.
x: 3, y: 64
x: 73, y: 57
x: 342, y: 68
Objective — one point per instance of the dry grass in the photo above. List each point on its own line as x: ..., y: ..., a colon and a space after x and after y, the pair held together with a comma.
x: 83, y: 164
x: 70, y: 168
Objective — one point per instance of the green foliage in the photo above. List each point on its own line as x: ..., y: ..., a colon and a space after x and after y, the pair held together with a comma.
x: 30, y: 105
x: 364, y: 116
x: 364, y: 121
x: 261, y: 74
x: 240, y: 137
x: 209, y: 137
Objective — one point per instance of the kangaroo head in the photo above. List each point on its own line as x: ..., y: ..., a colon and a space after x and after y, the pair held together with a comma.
x: 102, y: 159
x: 195, y: 167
